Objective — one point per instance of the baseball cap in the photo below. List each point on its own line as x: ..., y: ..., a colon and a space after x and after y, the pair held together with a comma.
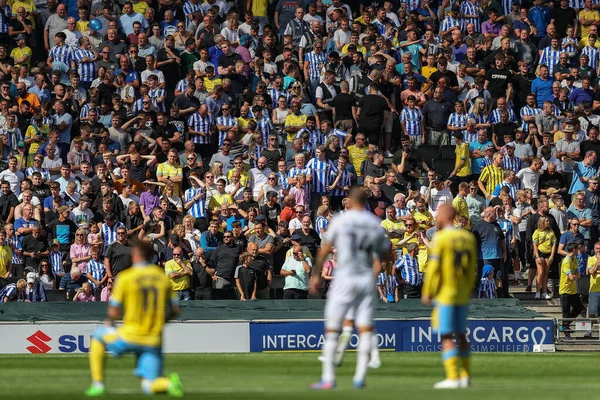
x: 296, y: 236
x: 55, y: 242
x: 260, y: 218
x: 510, y: 144
x: 488, y: 147
x: 21, y: 143
x: 63, y: 209
x: 21, y: 36
x: 244, y: 39
x: 31, y: 277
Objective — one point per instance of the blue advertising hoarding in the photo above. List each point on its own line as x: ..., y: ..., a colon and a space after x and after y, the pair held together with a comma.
x: 406, y: 335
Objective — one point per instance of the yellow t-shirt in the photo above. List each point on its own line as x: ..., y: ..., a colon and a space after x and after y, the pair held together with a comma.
x: 462, y: 209
x: 143, y: 292
x: 243, y: 122
x: 167, y: 170
x: 594, y: 278
x: 357, y: 156
x: 217, y: 199
x: 359, y: 48
x: 462, y: 153
x: 140, y: 7
x: 29, y: 7
x: 293, y: 120
x: 18, y: 52
x: 388, y: 225
x: 5, y: 257
x: 259, y: 8
x: 544, y: 239
x: 424, y: 219
x: 84, y: 26
x: 590, y: 16
x: 181, y: 283
x: 210, y: 84
x: 427, y: 71
x: 244, y: 177
x: 450, y: 272
x: 568, y: 266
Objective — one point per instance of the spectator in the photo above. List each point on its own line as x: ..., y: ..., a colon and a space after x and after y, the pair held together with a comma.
x: 296, y: 271
x: 179, y: 272
x: 224, y: 260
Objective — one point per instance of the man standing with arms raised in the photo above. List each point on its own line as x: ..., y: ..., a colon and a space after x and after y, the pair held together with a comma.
x: 360, y: 245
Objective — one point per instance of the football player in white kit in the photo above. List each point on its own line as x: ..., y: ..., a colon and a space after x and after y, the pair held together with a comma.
x: 361, y: 245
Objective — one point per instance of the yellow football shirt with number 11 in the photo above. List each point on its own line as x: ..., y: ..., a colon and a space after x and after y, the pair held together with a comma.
x: 143, y: 293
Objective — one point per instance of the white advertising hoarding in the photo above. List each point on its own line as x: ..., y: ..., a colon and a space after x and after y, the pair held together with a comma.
x: 185, y: 337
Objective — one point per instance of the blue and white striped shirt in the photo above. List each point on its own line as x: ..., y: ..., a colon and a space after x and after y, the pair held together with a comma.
x: 550, y: 57
x: 96, y: 270
x: 182, y: 85
x: 388, y: 283
x: 412, y: 4
x: 448, y: 23
x: 45, y: 174
x: 513, y: 164
x: 321, y: 172
x: 189, y: 8
x: 468, y: 8
x: 16, y: 242
x: 507, y: 228
x: 256, y: 151
x: 309, y: 148
x: 282, y: 180
x: 470, y: 137
x: 154, y: 94
x: 457, y: 120
x: 9, y: 291
x: 265, y: 127
x: 294, y: 171
x: 593, y: 53
x: 86, y: 70
x: 110, y: 234
x: 570, y: 47
x: 321, y: 225
x: 487, y: 286
x: 316, y: 137
x: 198, y: 209
x: 342, y: 135
x: 577, y: 4
x: 56, y: 262
x: 226, y: 121
x: 514, y: 188
x: 276, y: 94
x: 315, y: 64
x: 344, y: 181
x: 528, y: 112
x: 5, y: 19
x: 409, y: 269
x: 63, y: 54
x: 402, y: 212
x: 412, y: 119
x: 495, y: 116
x: 479, y: 118
x: 85, y: 109
x: 200, y: 124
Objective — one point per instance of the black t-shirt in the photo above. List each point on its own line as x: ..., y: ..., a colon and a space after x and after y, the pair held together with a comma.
x: 119, y: 256
x: 239, y: 83
x: 184, y: 102
x: 261, y: 265
x: 63, y: 231
x: 504, y: 129
x: 41, y: 192
x: 170, y: 70
x: 247, y: 277
x: 201, y: 279
x: 30, y: 245
x: 374, y: 170
x: 372, y: 107
x: 312, y: 241
x: 6, y: 203
x: 555, y: 181
x: 228, y: 60
x: 452, y: 78
x: 343, y: 104
x: 246, y: 205
x: 498, y: 81
x: 271, y: 214
x: 389, y: 192
x: 138, y: 172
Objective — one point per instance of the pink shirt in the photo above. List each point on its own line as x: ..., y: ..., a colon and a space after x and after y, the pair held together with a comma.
x: 78, y: 251
x: 300, y: 195
x: 105, y: 295
x: 82, y: 297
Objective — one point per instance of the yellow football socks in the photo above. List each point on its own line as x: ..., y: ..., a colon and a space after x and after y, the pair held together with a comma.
x: 450, y: 360
x: 97, y: 350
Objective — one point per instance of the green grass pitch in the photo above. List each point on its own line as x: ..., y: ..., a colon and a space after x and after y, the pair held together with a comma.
x: 280, y: 376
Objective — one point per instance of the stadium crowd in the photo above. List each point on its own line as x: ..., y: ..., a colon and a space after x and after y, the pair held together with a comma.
x: 228, y: 134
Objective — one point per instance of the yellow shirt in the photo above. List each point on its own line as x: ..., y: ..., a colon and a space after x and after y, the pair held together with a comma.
x: 451, y: 269
x: 210, y: 84
x: 244, y: 177
x: 167, y: 170
x: 259, y: 8
x: 357, y: 156
x: 460, y: 205
x: 424, y: 219
x: 594, y: 278
x: 427, y: 71
x: 462, y: 153
x: 544, y: 239
x: 181, y: 283
x: 389, y: 225
x: 592, y: 15
x: 359, y: 47
x: 491, y: 176
x: 585, y: 42
x: 243, y: 122
x: 217, y: 199
x: 5, y: 257
x: 140, y: 7
x: 143, y: 293
x: 558, y: 135
x: 423, y: 253
x: 293, y: 120
x: 568, y: 266
x: 18, y: 52
x: 29, y: 7
x: 84, y: 26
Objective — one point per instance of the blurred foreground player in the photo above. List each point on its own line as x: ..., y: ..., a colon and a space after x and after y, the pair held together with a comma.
x: 449, y: 279
x: 144, y: 294
x: 360, y: 244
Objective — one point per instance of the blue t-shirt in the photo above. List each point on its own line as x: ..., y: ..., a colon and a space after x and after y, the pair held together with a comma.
x: 477, y: 163
x: 542, y: 90
x: 490, y: 237
x: 586, y: 213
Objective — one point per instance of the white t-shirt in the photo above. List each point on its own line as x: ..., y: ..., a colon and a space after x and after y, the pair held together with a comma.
x: 530, y: 180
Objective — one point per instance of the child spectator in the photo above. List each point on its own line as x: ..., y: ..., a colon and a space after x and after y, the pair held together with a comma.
x: 84, y: 294
x: 96, y: 271
x: 245, y: 278
x: 487, y: 286
x: 387, y: 284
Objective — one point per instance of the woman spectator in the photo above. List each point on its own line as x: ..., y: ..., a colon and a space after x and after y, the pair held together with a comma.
x: 46, y: 275
x: 332, y: 148
x: 106, y: 293
x: 280, y: 113
x: 387, y: 284
x: 255, y: 149
x: 544, y: 250
x: 271, y: 186
x: 323, y: 216
x: 181, y: 36
x: 217, y: 171
x: 328, y: 272
x: 191, y: 234
x: 84, y: 295
x: 522, y: 212
x: 478, y: 113
x: 80, y: 251
x: 272, y: 153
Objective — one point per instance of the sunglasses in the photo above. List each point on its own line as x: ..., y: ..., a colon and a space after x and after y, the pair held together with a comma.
x: 407, y: 225
x: 227, y: 237
x: 176, y: 254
